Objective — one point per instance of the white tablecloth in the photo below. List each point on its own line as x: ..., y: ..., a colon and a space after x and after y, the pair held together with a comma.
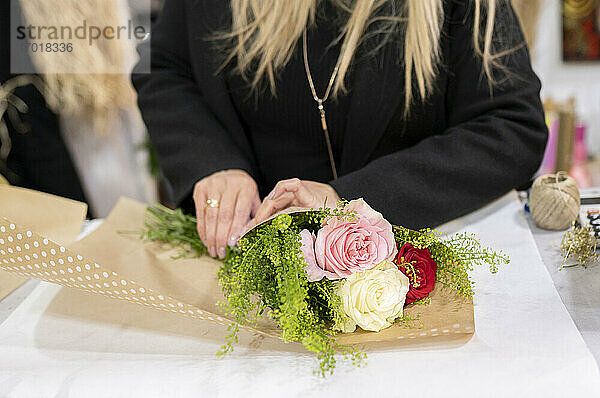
x: 525, y: 344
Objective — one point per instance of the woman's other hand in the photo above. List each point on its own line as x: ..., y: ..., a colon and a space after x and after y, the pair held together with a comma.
x: 294, y: 193
x: 235, y: 199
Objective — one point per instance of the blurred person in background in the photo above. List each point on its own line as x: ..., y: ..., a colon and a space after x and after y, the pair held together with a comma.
x: 90, y: 89
x: 38, y: 158
x: 428, y: 109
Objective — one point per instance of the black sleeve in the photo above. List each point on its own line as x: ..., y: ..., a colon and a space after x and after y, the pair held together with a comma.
x: 189, y: 140
x: 493, y: 143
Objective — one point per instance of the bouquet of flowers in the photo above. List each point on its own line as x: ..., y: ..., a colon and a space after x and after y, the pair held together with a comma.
x: 326, y: 271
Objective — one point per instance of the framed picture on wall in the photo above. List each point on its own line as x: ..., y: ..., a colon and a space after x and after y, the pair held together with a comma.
x: 581, y: 30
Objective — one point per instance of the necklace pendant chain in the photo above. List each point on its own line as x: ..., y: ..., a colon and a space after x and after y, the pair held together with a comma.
x: 320, y: 103
x: 322, y: 112
x: 327, y: 139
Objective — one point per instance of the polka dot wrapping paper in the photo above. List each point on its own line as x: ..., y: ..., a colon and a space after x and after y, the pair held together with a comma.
x: 26, y: 207
x: 31, y: 255
x: 115, y: 263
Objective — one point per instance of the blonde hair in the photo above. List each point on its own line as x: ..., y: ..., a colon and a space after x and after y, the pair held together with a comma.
x: 94, y: 88
x: 264, y: 34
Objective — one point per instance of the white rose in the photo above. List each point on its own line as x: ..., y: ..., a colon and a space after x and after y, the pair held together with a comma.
x: 373, y: 299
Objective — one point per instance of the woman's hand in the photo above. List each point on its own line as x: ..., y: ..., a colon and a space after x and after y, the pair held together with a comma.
x: 237, y: 200
x: 294, y: 193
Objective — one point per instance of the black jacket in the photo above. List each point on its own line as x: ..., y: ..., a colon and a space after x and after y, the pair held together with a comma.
x: 455, y: 152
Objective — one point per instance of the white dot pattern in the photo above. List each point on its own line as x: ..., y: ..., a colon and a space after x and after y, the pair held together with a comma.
x: 25, y: 253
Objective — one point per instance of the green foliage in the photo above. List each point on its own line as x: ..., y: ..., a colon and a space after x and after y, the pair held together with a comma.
x: 410, y: 321
x: 269, y: 274
x: 174, y: 227
x: 455, y: 256
x: 579, y: 244
x: 424, y: 301
x: 265, y: 275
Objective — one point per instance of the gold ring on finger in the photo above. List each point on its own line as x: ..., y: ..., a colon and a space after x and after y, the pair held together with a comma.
x: 212, y: 203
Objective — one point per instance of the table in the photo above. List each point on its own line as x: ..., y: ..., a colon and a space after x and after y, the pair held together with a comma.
x: 578, y: 287
x: 525, y: 342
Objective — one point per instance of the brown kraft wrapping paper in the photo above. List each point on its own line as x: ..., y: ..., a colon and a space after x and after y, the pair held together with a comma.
x: 58, y: 219
x: 113, y: 262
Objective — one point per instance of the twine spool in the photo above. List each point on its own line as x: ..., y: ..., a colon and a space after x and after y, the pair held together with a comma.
x: 554, y: 201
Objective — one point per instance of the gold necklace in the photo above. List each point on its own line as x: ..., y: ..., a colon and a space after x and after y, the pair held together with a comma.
x: 320, y: 101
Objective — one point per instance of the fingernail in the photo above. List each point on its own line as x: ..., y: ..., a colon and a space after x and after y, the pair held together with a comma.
x: 222, y: 253
x: 274, y: 195
x: 232, y: 241
x: 212, y: 252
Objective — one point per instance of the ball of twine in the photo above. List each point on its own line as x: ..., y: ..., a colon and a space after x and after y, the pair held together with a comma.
x: 554, y: 201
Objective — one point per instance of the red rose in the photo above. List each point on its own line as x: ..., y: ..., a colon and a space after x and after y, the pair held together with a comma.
x: 420, y: 269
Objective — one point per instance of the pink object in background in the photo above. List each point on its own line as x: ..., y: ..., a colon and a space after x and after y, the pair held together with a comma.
x: 549, y: 160
x: 578, y: 170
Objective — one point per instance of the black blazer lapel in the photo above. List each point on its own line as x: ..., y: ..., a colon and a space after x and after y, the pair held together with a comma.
x: 377, y: 91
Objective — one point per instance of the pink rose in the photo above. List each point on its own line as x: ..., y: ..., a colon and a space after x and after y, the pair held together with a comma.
x: 343, y: 247
x: 313, y: 271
